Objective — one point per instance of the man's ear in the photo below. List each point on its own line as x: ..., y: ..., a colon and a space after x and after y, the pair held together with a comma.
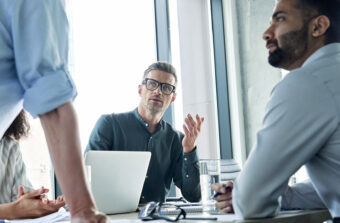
x: 320, y: 26
x: 173, y: 98
x: 140, y: 90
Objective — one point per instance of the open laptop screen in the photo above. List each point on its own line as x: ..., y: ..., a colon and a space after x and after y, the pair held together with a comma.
x: 117, y: 179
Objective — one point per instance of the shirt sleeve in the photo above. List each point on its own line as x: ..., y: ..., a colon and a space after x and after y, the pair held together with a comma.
x: 187, y: 176
x: 294, y: 129
x: 101, y: 137
x: 20, y: 177
x: 40, y: 43
x: 301, y: 196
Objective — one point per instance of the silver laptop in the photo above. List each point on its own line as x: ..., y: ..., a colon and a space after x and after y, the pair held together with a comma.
x: 117, y: 179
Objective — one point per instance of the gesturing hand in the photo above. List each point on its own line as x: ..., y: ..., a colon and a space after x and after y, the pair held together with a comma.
x: 191, y: 129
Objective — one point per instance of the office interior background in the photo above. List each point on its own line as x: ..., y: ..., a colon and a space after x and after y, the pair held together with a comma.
x: 215, y: 45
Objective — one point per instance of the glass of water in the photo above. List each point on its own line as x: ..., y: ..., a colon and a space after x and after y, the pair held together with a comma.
x: 209, y: 174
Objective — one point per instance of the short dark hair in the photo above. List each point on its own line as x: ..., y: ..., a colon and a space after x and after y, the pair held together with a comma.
x: 163, y: 66
x: 329, y: 8
x: 19, y: 127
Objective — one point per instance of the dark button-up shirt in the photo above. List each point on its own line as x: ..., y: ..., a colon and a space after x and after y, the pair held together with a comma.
x: 129, y: 132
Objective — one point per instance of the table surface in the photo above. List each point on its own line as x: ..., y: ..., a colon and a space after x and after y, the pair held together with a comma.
x: 314, y: 216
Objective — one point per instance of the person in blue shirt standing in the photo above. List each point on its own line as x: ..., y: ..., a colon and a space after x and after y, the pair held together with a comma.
x: 34, y: 75
x: 302, y: 121
x: 174, y: 155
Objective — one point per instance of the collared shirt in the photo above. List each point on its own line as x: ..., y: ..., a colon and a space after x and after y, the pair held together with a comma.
x: 301, y: 127
x: 33, y: 58
x: 129, y: 132
x: 12, y: 171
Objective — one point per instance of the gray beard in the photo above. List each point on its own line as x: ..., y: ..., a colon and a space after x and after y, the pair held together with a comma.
x: 154, y: 111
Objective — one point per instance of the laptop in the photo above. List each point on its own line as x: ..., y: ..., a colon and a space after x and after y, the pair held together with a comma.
x: 117, y: 179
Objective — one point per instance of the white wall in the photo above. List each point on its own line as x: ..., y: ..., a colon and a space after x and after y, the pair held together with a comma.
x: 250, y: 76
x: 254, y: 75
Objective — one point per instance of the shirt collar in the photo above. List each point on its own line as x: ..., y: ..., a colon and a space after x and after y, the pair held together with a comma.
x: 144, y: 123
x: 329, y: 49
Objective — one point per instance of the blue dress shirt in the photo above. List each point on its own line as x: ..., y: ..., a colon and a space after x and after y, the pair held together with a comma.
x: 33, y: 58
x: 301, y: 127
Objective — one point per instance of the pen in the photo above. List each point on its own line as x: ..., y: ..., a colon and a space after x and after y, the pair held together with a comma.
x: 218, y: 193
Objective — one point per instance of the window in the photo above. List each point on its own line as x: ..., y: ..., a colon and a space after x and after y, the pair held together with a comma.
x: 35, y: 155
x: 112, y: 43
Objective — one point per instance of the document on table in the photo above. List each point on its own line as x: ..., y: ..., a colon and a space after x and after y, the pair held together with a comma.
x: 64, y: 217
x: 60, y: 216
x: 226, y: 217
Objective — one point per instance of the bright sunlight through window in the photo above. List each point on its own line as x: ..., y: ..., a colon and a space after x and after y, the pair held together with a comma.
x: 113, y: 43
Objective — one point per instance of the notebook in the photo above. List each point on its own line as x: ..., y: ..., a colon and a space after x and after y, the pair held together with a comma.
x: 117, y: 179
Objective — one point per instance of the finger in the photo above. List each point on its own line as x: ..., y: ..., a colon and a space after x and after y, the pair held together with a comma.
x: 44, y: 200
x: 218, y: 187
x: 230, y: 184
x: 186, y: 131
x: 53, y: 206
x: 224, y: 197
x: 191, y: 121
x: 192, y: 127
x: 45, y: 190
x: 227, y: 209
x: 35, y: 193
x: 223, y: 204
x: 60, y: 199
x: 198, y: 121
x: 187, y: 124
x: 21, y: 191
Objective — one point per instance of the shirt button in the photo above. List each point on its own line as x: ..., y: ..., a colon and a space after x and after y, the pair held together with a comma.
x: 187, y: 176
x: 142, y: 197
x: 146, y: 125
x: 185, y: 159
x: 146, y: 176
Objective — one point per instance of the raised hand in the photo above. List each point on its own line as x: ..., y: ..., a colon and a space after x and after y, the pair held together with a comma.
x: 191, y: 129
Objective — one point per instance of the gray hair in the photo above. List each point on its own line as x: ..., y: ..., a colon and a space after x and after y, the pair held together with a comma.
x: 163, y: 66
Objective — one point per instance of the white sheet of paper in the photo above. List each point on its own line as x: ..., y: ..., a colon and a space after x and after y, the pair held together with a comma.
x: 60, y: 216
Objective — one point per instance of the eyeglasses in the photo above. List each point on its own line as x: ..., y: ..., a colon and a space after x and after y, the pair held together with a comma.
x: 168, y: 212
x: 152, y: 85
x: 153, y: 211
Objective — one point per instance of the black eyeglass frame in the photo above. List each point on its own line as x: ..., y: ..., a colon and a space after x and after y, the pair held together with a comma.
x: 152, y: 211
x: 159, y: 84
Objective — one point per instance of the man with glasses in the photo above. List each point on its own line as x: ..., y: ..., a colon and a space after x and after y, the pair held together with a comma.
x: 174, y: 155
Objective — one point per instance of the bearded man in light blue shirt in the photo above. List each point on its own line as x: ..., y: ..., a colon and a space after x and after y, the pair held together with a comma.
x: 302, y: 121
